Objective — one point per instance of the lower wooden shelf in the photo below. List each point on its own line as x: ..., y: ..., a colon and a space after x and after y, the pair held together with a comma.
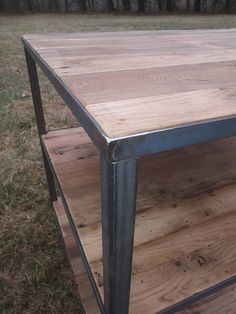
x: 185, y: 221
x: 222, y: 302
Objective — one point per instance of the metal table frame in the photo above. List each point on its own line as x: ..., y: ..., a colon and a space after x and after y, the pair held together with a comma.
x: 119, y: 164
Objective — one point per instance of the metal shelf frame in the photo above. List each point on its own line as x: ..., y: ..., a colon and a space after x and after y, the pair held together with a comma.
x: 119, y: 164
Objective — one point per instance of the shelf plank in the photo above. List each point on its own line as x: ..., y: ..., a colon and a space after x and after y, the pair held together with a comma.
x: 222, y: 302
x: 185, y: 222
x: 85, y: 290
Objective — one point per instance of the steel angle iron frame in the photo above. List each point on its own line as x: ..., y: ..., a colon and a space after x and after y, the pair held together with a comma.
x: 119, y: 167
x: 50, y: 173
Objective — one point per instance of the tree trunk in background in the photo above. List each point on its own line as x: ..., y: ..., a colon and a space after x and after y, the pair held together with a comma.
x: 89, y: 6
x: 2, y: 7
x: 66, y: 6
x: 213, y: 6
x: 187, y: 6
x: 53, y: 6
x: 29, y: 4
x: 83, y: 5
x: 34, y: 6
x: 228, y: 5
x: 170, y: 5
x: 232, y: 6
x: 11, y: 6
x: 110, y: 6
x: 126, y: 5
x: 141, y: 6
x: 197, y: 6
x: 160, y: 5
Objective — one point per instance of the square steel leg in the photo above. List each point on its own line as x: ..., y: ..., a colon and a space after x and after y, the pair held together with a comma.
x: 119, y: 188
x: 39, y: 115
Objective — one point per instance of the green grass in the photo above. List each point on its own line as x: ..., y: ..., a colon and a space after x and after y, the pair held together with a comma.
x: 34, y: 273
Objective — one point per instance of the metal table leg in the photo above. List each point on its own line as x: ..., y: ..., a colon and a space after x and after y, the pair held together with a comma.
x: 38, y: 108
x: 119, y: 187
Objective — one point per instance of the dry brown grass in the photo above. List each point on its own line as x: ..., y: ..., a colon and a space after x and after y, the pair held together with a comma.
x: 34, y: 274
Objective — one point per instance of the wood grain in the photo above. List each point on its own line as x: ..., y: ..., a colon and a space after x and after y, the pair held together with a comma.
x: 222, y: 302
x: 84, y: 287
x: 178, y: 109
x: 125, y: 85
x: 185, y: 221
x: 119, y: 77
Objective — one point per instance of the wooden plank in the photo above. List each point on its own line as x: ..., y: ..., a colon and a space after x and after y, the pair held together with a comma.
x: 46, y: 41
x: 184, y: 263
x: 138, y: 61
x: 109, y: 67
x: 110, y: 57
x: 185, y: 222
x: 219, y: 303
x: 123, y: 85
x: 81, y: 278
x: 222, y: 302
x: 117, y: 34
x: 173, y: 268
x: 168, y: 111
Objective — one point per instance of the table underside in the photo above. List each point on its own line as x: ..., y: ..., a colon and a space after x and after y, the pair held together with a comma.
x: 135, y: 82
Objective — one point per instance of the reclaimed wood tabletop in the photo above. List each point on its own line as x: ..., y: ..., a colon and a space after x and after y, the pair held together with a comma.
x: 134, y: 82
x: 141, y: 92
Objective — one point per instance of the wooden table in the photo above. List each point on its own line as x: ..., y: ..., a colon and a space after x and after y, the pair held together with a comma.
x: 136, y: 94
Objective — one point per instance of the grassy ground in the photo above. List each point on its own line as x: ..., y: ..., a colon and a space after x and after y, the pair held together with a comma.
x: 34, y: 274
